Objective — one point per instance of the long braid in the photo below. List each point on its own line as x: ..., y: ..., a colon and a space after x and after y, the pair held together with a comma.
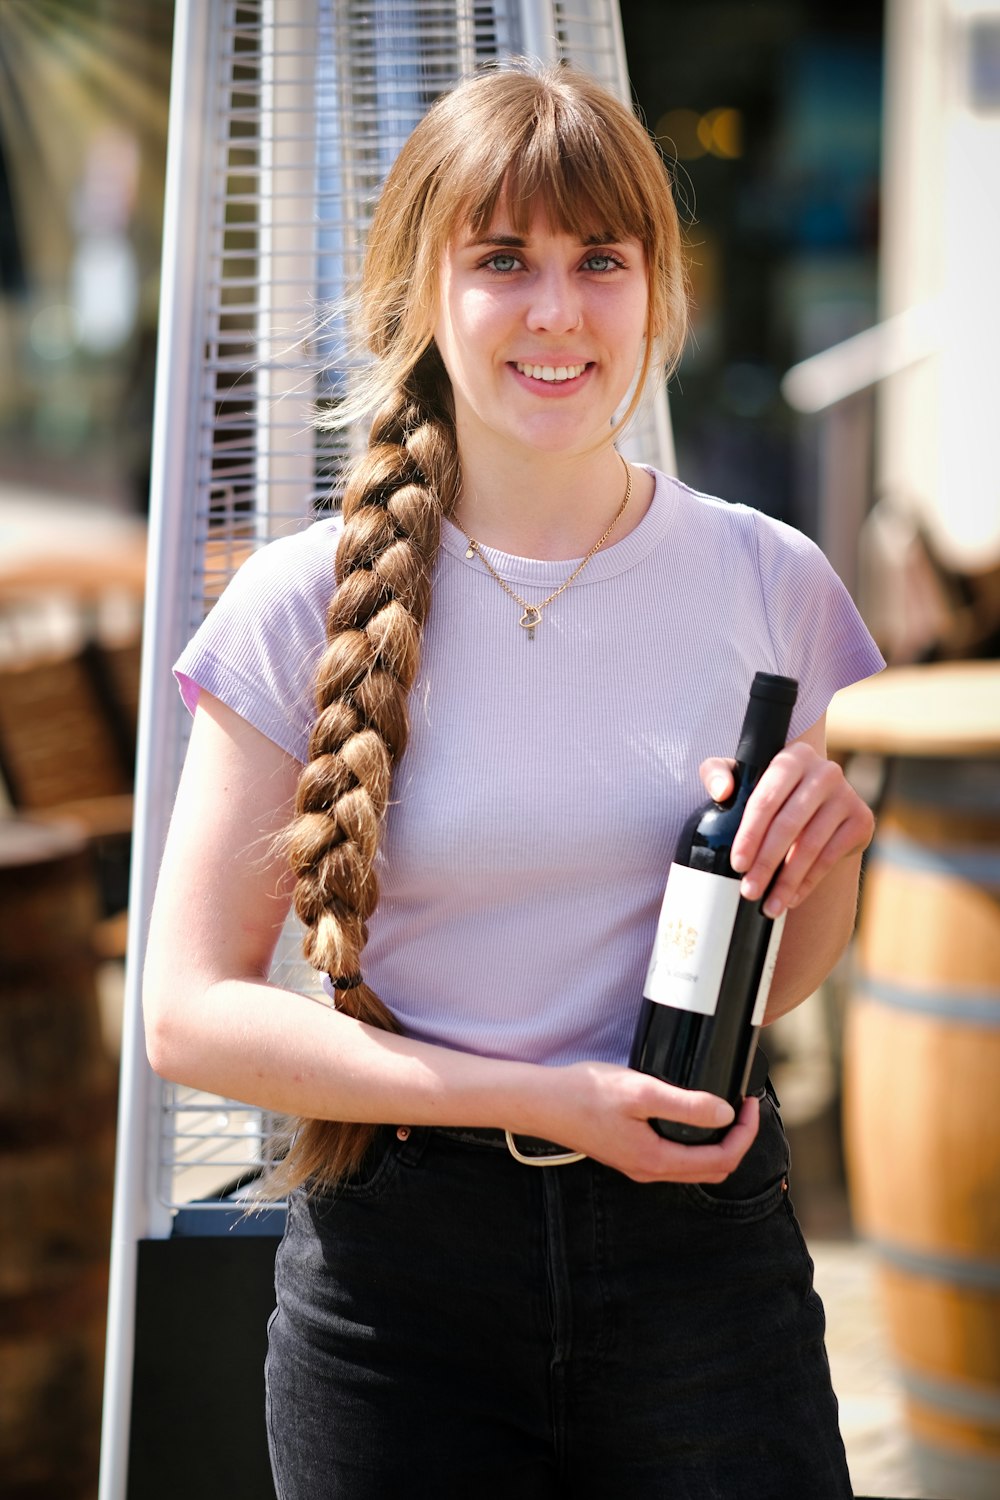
x: 512, y: 138
x: 392, y: 508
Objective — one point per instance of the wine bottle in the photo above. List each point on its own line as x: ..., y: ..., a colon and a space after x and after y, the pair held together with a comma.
x: 714, y: 954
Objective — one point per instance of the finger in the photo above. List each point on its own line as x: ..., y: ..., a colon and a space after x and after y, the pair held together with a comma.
x: 779, y: 817
x: 833, y: 823
x: 663, y: 1101
x: 717, y: 778
x: 716, y: 1162
x: 807, y: 866
x: 782, y: 779
x: 793, y: 844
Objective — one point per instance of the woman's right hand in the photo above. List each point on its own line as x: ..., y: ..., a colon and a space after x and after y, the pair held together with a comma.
x: 604, y: 1111
x: 213, y: 1021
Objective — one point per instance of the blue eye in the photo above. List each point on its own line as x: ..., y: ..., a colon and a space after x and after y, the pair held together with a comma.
x: 607, y: 263
x: 502, y: 261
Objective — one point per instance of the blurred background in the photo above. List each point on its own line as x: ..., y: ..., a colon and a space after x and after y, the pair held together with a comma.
x: 838, y: 169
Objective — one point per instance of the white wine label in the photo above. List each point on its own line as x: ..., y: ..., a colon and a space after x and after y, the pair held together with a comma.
x: 692, y: 940
x: 767, y: 974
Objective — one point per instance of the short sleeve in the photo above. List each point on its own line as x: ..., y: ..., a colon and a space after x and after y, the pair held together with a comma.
x: 258, y: 648
x: 816, y: 632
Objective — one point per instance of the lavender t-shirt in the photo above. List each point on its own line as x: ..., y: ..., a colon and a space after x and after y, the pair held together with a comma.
x: 536, y: 808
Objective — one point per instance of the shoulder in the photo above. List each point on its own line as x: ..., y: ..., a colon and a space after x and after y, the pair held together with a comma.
x: 297, y: 563
x: 735, y: 535
x: 285, y: 584
x: 793, y: 610
x: 732, y: 519
x: 258, y: 647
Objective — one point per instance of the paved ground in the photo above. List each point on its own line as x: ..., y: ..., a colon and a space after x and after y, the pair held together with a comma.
x: 871, y: 1409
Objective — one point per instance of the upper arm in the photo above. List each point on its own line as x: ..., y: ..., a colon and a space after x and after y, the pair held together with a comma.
x: 224, y: 887
x: 815, y: 735
x: 817, y: 930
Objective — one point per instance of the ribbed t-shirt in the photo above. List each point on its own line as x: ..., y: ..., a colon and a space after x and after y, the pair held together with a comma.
x: 535, y: 811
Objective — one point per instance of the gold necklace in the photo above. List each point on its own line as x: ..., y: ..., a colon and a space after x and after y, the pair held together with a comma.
x: 532, y: 613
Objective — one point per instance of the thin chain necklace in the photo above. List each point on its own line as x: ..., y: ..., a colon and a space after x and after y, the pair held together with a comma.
x: 531, y: 616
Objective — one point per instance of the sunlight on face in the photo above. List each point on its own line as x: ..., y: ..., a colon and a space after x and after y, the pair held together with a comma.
x: 541, y: 332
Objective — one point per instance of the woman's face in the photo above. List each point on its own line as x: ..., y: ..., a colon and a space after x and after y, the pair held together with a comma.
x: 541, y: 334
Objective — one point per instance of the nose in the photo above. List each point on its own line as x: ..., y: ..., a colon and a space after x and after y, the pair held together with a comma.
x: 555, y: 305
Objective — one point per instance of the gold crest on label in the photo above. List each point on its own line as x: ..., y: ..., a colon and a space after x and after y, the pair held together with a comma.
x: 681, y: 937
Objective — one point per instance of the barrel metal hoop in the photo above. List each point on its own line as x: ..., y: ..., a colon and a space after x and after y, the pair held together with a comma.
x: 961, y: 860
x: 959, y: 1270
x: 976, y: 1403
x: 968, y: 1008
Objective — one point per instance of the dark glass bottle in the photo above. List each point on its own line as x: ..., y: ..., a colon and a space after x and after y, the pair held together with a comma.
x: 714, y: 954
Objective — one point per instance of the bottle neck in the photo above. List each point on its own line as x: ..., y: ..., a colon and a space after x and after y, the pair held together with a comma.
x: 764, y: 732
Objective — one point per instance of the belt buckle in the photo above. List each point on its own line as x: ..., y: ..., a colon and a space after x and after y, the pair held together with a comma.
x: 557, y: 1159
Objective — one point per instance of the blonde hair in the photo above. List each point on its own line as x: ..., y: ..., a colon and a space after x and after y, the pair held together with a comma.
x: 521, y: 136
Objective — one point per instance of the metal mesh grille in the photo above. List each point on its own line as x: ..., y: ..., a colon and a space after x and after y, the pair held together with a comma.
x: 308, y: 102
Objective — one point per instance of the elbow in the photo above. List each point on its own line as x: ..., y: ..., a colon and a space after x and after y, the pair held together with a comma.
x: 166, y: 1025
x: 163, y: 1042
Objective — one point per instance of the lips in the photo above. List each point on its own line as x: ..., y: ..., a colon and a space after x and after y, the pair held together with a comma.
x: 551, y: 374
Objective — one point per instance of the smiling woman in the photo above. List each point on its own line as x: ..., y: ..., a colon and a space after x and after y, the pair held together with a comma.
x: 541, y: 340
x: 374, y: 744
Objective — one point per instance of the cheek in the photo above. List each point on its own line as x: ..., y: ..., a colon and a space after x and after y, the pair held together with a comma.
x: 636, y: 318
x: 468, y: 338
x: 631, y: 328
x: 477, y: 318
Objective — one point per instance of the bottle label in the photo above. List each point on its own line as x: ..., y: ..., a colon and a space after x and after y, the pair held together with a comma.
x: 767, y: 973
x: 692, y: 940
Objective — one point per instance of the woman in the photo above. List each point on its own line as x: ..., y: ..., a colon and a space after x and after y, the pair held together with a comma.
x: 531, y: 648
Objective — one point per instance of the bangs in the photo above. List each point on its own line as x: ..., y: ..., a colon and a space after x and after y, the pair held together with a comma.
x: 518, y: 141
x: 562, y: 162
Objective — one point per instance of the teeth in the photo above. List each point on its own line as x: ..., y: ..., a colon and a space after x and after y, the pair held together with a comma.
x: 551, y: 372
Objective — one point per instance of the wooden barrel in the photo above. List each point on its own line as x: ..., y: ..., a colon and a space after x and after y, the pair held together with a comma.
x: 57, y: 1123
x: 922, y: 1081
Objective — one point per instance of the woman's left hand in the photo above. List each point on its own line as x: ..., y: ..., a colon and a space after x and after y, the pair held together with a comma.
x: 802, y: 819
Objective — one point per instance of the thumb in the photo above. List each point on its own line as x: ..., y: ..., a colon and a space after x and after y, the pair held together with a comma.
x: 717, y: 777
x: 686, y: 1106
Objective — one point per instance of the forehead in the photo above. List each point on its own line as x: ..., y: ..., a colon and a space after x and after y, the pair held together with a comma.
x: 559, y: 202
x: 516, y: 223
x: 500, y: 232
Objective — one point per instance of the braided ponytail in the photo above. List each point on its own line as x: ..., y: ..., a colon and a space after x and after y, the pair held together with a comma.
x: 512, y: 136
x: 392, y: 506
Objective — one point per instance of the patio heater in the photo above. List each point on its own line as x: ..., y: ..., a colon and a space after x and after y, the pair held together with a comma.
x: 284, y: 116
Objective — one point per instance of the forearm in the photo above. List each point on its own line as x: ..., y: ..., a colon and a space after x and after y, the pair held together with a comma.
x: 816, y: 934
x: 282, y: 1051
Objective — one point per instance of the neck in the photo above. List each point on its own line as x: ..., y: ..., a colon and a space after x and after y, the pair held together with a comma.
x: 546, y: 507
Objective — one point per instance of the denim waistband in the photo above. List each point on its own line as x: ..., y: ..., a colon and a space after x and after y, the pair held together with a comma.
x: 474, y: 1135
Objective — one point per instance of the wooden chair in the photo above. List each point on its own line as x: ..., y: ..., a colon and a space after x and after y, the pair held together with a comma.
x: 67, y: 749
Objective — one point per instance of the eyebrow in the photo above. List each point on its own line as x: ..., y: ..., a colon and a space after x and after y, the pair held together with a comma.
x: 517, y: 242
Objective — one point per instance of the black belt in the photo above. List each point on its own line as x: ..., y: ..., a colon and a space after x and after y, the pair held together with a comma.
x: 534, y: 1150
x: 530, y: 1145
x: 531, y: 1149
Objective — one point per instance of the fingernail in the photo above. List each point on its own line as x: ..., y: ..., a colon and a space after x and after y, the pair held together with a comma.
x: 773, y: 907
x: 749, y: 889
x: 718, y: 787
x: 724, y: 1113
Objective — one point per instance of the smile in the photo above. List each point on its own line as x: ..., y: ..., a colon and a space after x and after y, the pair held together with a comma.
x: 551, y: 373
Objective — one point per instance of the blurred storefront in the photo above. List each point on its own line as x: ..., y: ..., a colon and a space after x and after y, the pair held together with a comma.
x: 83, y: 116
x: 773, y: 112
x: 772, y: 109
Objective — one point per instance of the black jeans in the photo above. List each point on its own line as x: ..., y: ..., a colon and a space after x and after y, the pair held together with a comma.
x: 455, y: 1324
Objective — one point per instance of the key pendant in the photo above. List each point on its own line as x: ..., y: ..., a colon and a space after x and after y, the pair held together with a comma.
x: 529, y: 620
